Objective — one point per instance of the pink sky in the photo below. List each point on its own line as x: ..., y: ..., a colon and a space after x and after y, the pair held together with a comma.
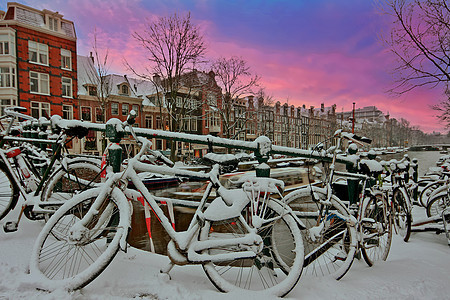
x: 306, y: 52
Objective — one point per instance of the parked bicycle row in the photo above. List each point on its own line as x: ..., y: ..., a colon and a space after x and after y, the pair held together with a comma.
x: 251, y: 236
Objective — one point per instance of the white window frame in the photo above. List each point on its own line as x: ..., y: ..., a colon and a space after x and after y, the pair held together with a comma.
x: 53, y: 24
x: 4, y: 48
x: 68, y: 109
x: 194, y: 124
x: 148, y: 120
x: 7, y: 44
x: 43, y: 83
x: 90, y: 113
x: 135, y: 107
x: 66, y: 86
x: 41, y: 107
x: 4, y: 103
x: 66, y: 59
x: 7, y: 80
x: 126, y: 111
x: 115, y: 108
x: 41, y: 51
x: 99, y: 109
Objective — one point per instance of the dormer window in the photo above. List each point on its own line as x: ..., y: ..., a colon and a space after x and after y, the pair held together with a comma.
x: 124, y: 89
x: 53, y: 24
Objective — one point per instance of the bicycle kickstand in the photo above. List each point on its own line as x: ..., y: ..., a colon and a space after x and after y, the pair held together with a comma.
x: 12, y: 226
x: 165, y: 270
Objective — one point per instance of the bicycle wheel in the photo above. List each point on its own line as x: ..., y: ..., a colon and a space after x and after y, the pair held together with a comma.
x: 401, y: 213
x: 278, y: 263
x: 9, y: 191
x: 65, y: 182
x: 376, y: 227
x: 427, y: 191
x: 64, y: 257
x: 437, y: 204
x: 329, y: 238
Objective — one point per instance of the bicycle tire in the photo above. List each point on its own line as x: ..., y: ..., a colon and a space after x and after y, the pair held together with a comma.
x: 437, y: 204
x: 401, y: 213
x: 68, y: 180
x: 277, y: 267
x: 427, y: 191
x: 9, y: 191
x: 61, y: 259
x: 376, y: 227
x: 331, y: 251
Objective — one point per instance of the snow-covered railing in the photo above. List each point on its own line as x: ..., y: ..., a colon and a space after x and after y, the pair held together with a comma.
x: 262, y: 146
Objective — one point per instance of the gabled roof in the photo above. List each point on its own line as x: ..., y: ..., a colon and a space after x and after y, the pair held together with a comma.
x: 87, y: 75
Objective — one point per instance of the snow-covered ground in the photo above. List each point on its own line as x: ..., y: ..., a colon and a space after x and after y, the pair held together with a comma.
x: 419, y: 269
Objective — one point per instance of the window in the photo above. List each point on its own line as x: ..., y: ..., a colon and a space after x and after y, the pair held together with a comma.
x: 4, y: 47
x: 7, y: 103
x: 67, y: 111
x: 66, y: 59
x: 114, y: 108
x: 193, y: 124
x: 158, y: 123
x: 86, y: 113
x: 92, y: 90
x: 39, y: 83
x: 124, y: 89
x: 159, y: 144
x: 148, y: 122
x: 40, y: 109
x: 212, y: 101
x: 66, y: 87
x: 7, y: 42
x: 7, y: 77
x: 135, y: 107
x: 53, y: 24
x: 179, y: 102
x: 38, y: 53
x: 125, y: 109
x: 98, y: 115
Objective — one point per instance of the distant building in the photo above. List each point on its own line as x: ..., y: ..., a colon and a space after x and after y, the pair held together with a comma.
x: 38, y: 67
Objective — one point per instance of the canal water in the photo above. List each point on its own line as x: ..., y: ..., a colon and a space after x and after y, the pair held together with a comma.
x: 426, y: 159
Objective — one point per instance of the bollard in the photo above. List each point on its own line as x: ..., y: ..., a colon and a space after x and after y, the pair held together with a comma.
x: 262, y: 155
x: 415, y: 177
x: 115, y: 136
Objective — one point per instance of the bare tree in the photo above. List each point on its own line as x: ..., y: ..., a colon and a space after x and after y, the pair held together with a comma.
x: 234, y: 77
x: 420, y: 40
x: 97, y: 76
x: 173, y: 45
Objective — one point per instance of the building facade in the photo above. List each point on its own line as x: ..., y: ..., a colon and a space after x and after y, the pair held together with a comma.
x: 38, y: 66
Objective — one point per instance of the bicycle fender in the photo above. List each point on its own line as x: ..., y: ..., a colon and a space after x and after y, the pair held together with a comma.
x: 123, y: 204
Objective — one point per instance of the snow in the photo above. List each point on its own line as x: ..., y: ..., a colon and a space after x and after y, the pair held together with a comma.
x: 418, y: 269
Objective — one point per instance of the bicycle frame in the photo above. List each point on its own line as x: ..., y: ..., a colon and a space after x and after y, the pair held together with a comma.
x: 230, y: 206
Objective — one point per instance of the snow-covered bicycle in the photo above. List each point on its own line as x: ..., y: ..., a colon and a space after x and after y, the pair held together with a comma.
x: 19, y: 175
x: 244, y: 239
x: 333, y: 235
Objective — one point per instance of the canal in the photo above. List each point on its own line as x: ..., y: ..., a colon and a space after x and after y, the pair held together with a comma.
x: 426, y: 159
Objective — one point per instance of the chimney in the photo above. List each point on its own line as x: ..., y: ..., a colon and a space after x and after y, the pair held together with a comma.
x: 91, y: 57
x: 322, y: 107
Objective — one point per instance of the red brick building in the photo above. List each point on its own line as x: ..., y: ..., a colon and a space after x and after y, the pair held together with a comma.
x: 38, y: 68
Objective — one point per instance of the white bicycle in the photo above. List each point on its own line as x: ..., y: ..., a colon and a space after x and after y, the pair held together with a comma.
x: 244, y: 239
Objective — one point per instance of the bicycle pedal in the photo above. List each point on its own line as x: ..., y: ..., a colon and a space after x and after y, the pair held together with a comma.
x: 10, y: 227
